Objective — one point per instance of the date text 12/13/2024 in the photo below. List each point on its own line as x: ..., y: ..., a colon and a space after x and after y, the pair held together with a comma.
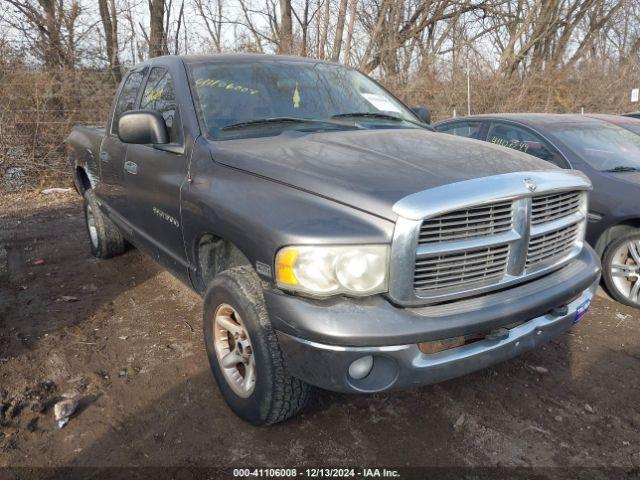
x: 315, y: 473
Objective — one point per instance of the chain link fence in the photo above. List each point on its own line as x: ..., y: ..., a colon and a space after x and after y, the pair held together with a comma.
x: 38, y: 109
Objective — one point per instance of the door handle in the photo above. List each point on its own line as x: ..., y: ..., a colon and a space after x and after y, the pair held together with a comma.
x: 131, y: 167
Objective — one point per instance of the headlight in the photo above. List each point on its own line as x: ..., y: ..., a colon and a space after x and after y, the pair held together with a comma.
x: 325, y: 270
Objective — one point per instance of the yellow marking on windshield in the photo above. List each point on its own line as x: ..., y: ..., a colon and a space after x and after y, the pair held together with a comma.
x: 296, y: 97
x: 217, y: 83
x: 153, y: 94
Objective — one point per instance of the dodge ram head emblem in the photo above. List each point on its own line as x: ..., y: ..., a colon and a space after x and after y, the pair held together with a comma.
x: 530, y: 184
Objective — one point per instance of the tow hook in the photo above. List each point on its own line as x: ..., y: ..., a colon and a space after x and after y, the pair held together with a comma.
x: 560, y: 311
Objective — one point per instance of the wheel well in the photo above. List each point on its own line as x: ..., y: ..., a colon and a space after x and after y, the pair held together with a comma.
x: 614, y: 232
x: 215, y: 255
x: 82, y: 180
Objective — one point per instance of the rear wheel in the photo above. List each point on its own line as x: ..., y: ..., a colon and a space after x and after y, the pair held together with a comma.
x: 105, y: 239
x: 244, y: 353
x: 621, y: 269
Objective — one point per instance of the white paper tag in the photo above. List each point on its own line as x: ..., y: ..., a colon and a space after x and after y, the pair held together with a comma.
x: 380, y: 102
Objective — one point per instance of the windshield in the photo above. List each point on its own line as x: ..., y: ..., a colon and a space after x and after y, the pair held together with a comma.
x: 603, y: 146
x: 229, y: 94
x: 632, y: 127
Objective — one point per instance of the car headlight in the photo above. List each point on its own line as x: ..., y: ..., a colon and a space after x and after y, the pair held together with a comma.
x: 330, y: 270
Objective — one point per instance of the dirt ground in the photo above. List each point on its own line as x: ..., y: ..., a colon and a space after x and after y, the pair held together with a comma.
x: 125, y: 336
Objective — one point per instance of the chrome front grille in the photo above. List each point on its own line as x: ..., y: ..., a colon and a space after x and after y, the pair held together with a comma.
x: 550, y: 247
x: 467, y: 266
x: 472, y: 222
x: 461, y: 268
x: 483, y: 234
x: 546, y: 208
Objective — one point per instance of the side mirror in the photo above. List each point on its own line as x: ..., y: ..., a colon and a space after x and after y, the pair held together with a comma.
x: 142, y: 126
x: 423, y: 114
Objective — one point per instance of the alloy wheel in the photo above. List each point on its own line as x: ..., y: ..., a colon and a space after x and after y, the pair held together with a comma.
x: 625, y: 270
x: 234, y: 350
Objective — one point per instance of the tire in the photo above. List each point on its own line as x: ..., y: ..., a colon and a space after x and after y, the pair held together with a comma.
x: 274, y: 396
x: 623, y: 281
x: 105, y: 238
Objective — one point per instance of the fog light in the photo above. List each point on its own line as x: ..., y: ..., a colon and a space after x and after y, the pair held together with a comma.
x: 361, y: 367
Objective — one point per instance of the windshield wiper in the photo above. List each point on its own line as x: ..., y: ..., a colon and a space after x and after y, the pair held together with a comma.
x: 275, y: 120
x: 368, y: 114
x: 622, y: 168
x: 382, y: 116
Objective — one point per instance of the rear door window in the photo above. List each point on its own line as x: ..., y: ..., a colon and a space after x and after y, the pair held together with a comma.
x: 524, y: 140
x: 159, y: 95
x: 127, y: 98
x: 464, y: 129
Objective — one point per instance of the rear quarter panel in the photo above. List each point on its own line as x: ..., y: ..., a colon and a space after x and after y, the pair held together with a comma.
x: 83, y: 151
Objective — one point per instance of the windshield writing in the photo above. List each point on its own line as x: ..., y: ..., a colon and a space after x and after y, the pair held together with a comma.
x: 231, y: 94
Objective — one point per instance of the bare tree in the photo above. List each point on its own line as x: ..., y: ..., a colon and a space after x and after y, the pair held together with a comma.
x: 308, y: 15
x: 176, y: 49
x: 285, y: 32
x: 252, y: 20
x: 157, y: 35
x: 326, y: 19
x: 337, y: 40
x: 49, y: 25
x: 109, y: 18
x: 304, y: 26
x: 392, y: 25
x: 538, y: 36
x: 352, y: 22
x: 211, y: 13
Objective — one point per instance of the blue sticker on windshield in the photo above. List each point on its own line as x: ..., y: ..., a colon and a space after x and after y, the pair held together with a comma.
x: 581, y: 311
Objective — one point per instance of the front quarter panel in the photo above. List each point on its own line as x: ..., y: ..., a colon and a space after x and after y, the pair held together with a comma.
x: 259, y: 216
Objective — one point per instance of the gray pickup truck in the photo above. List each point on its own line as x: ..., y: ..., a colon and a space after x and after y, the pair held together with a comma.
x: 336, y: 239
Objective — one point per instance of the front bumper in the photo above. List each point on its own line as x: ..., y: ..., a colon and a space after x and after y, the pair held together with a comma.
x: 320, y: 340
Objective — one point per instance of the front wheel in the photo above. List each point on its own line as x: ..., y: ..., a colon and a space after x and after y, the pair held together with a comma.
x: 621, y: 269
x: 244, y: 353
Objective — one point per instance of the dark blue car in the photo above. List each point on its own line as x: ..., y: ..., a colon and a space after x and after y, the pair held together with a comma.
x: 605, y: 148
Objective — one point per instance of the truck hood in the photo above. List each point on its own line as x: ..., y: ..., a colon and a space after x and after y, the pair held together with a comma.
x: 370, y: 169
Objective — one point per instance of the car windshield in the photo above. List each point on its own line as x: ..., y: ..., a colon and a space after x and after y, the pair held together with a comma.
x: 603, y: 146
x: 632, y: 127
x: 261, y: 98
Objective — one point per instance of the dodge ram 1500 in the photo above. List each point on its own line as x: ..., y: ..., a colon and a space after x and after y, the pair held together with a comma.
x: 336, y: 239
